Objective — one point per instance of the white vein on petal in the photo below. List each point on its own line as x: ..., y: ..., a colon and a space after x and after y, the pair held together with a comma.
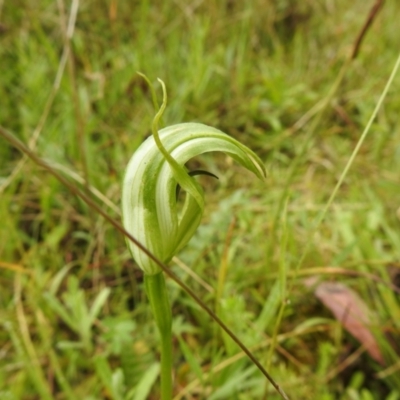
x: 153, y: 219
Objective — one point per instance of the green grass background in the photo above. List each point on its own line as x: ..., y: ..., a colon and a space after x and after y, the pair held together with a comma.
x: 75, y: 323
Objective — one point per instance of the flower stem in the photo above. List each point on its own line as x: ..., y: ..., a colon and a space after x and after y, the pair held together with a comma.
x: 159, y: 302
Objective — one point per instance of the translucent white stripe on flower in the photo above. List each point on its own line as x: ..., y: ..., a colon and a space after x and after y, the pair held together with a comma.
x: 149, y: 203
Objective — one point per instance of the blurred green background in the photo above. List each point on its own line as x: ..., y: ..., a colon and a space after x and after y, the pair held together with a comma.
x: 75, y: 322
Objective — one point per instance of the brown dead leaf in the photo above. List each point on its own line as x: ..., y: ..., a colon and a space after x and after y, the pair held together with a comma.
x: 348, y: 308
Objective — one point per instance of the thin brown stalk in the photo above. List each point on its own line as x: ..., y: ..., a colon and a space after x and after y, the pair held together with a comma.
x: 370, y: 19
x: 95, y: 207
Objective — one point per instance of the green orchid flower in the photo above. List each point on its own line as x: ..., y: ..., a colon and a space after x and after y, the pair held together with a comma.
x: 151, y: 213
x: 149, y: 202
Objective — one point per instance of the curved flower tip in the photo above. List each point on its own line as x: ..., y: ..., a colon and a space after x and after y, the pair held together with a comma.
x: 149, y: 203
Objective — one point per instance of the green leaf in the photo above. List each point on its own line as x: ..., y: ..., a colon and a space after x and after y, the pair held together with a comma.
x: 98, y: 303
x: 146, y: 382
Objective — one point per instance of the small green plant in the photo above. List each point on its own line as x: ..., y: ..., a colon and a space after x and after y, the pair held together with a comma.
x: 151, y: 212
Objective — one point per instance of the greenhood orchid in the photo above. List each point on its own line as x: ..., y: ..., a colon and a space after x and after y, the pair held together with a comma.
x: 150, y: 209
x: 151, y: 213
